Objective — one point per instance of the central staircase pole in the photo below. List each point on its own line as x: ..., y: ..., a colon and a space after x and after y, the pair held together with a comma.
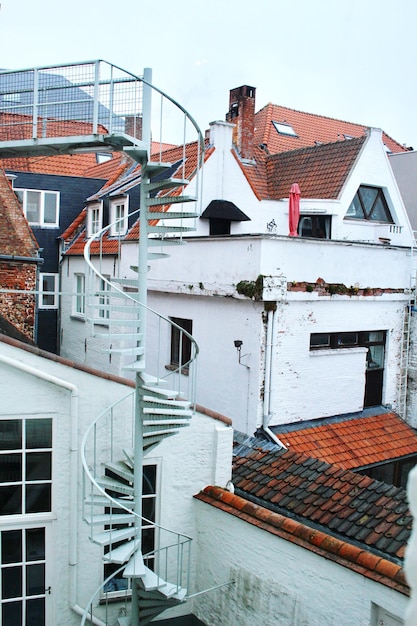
x: 142, y: 298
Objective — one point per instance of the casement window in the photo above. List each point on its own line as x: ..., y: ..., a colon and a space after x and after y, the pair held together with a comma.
x: 118, y: 584
x: 118, y: 216
x: 104, y: 299
x: 41, y: 208
x: 25, y: 466
x: 24, y: 576
x: 94, y: 219
x: 315, y: 226
x: 372, y: 339
x: 79, y: 304
x: 370, y: 204
x: 48, y: 291
x: 180, y: 342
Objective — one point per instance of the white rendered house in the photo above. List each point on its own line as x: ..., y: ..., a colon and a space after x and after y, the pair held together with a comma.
x: 318, y: 319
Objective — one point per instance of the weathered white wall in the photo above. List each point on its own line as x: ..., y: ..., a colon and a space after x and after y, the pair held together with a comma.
x: 198, y: 455
x: 276, y: 582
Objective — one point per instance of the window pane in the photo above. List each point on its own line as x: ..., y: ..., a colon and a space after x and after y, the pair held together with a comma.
x: 149, y: 479
x: 347, y: 339
x: 368, y: 196
x: 12, y: 613
x: 375, y: 357
x: 49, y: 212
x: 11, y: 434
x: 35, y: 579
x: 148, y: 509
x: 38, y: 498
x: 11, y: 582
x: 38, y: 466
x: 355, y: 210
x: 11, y: 546
x: 319, y: 340
x: 39, y: 433
x: 10, y: 500
x: 10, y: 468
x: 35, y: 544
x: 35, y: 612
x: 380, y: 212
x: 33, y: 202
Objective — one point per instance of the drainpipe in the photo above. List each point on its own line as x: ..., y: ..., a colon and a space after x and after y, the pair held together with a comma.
x: 73, y: 547
x: 268, y: 368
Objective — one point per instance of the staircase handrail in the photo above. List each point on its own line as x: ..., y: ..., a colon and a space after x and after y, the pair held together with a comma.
x: 116, y: 288
x: 101, y: 490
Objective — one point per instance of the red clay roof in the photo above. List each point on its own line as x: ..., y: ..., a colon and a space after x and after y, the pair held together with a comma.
x: 310, y: 129
x: 353, y: 443
x: 320, y: 171
x: 344, y: 553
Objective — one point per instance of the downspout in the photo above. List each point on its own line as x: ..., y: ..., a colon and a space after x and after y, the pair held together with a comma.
x: 267, y: 385
x: 73, y: 547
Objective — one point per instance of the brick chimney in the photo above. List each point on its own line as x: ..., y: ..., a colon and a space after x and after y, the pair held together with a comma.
x: 242, y: 114
x: 133, y: 126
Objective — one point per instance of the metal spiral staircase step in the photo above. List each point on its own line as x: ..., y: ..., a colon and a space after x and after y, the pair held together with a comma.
x: 165, y: 183
x: 170, y: 215
x: 162, y: 200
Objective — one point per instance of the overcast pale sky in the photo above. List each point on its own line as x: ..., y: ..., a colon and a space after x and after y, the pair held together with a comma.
x: 350, y: 59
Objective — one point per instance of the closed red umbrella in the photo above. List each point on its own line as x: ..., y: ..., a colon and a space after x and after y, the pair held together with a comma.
x: 294, y: 210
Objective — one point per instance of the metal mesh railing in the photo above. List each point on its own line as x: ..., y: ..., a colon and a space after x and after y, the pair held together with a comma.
x: 67, y: 100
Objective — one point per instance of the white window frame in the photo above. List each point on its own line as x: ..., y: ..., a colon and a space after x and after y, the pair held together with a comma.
x: 119, y: 210
x: 104, y: 299
x: 45, y: 293
x: 79, y: 298
x: 94, y: 218
x: 23, y: 196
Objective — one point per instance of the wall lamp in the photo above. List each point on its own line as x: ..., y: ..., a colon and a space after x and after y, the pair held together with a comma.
x: 238, y: 345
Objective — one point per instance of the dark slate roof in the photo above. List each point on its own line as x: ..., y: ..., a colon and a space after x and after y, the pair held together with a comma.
x: 224, y: 210
x: 355, y: 509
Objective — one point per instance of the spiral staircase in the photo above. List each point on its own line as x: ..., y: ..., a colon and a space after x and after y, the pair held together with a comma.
x: 99, y: 107
x: 156, y: 573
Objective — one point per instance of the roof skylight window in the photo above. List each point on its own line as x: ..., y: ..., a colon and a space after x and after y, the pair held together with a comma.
x: 284, y: 129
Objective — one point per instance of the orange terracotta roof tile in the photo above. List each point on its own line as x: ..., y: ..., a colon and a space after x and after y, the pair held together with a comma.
x: 355, y: 442
x: 344, y: 553
x: 310, y: 130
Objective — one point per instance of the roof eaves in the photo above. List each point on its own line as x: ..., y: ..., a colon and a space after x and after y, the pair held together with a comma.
x: 342, y: 552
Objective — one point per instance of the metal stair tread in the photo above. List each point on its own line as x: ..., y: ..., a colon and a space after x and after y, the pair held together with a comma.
x: 120, y: 469
x: 108, y: 483
x: 165, y: 183
x: 122, y: 553
x: 109, y: 536
x: 175, y: 410
x: 152, y: 581
x: 111, y: 518
x: 171, y: 215
x: 162, y: 401
x: 162, y: 200
x: 135, y: 567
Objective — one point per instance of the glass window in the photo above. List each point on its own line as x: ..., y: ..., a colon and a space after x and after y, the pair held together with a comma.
x: 80, y: 294
x: 104, y: 299
x: 94, y: 219
x: 319, y: 340
x: 118, y: 217
x: 22, y: 573
x: 180, y: 342
x: 316, y: 226
x: 48, y: 296
x: 26, y: 466
x: 369, y: 203
x: 284, y: 129
x: 41, y: 208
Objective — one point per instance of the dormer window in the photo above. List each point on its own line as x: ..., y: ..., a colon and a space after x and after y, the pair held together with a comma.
x: 94, y: 219
x: 369, y: 203
x: 118, y: 216
x: 41, y: 208
x: 283, y: 128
